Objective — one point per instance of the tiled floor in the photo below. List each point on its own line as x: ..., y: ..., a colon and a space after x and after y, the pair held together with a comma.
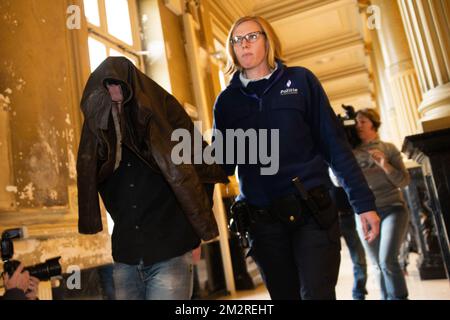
x: 418, y: 289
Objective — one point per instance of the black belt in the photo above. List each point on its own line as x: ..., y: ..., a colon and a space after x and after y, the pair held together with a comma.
x: 289, y: 209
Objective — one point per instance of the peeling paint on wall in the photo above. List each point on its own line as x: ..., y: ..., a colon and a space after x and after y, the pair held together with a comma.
x: 5, y: 103
x: 11, y: 189
x: 72, y: 163
x: 53, y: 194
x: 10, y: 19
x: 20, y: 84
x: 44, y: 166
x: 69, y: 135
x: 28, y: 192
x: 10, y: 71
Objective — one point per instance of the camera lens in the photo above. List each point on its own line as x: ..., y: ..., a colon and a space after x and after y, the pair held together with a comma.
x: 44, y: 271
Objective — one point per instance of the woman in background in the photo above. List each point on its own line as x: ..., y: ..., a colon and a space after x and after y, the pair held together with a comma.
x: 385, y: 173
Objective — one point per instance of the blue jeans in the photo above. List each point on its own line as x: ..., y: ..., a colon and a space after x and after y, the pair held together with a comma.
x: 384, y: 251
x: 356, y: 249
x: 166, y: 280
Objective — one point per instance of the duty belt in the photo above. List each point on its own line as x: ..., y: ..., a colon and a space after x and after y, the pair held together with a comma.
x: 289, y: 209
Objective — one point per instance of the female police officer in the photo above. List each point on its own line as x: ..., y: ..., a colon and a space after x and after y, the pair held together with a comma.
x: 294, y: 242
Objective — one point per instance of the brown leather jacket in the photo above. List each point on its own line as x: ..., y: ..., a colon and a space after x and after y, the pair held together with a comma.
x: 154, y: 114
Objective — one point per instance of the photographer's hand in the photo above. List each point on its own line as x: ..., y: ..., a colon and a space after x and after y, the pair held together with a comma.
x: 370, y: 222
x: 33, y: 288
x: 18, y: 280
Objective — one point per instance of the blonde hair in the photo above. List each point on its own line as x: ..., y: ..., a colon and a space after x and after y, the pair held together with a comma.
x: 372, y: 115
x: 273, y: 44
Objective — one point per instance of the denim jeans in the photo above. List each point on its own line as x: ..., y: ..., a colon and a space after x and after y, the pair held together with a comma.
x: 166, y: 280
x: 356, y: 250
x: 384, y: 251
x: 107, y: 281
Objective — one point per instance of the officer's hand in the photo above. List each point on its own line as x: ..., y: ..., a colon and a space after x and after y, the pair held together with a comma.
x: 370, y: 223
x: 18, y: 280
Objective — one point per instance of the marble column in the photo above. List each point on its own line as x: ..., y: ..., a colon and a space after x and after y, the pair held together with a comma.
x: 399, y: 67
x: 389, y: 130
x: 428, y: 33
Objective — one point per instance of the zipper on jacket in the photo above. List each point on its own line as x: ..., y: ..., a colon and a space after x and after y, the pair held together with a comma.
x: 260, y: 102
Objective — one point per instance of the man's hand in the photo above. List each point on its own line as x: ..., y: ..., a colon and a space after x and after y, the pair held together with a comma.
x: 196, y: 254
x: 370, y: 222
x: 18, y: 280
x: 115, y: 91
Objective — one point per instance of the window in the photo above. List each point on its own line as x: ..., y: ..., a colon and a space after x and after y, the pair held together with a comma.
x: 91, y: 12
x: 97, y: 52
x: 118, y: 17
x: 113, y: 31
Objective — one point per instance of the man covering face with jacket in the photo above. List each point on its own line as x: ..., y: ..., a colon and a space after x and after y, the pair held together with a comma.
x: 161, y: 210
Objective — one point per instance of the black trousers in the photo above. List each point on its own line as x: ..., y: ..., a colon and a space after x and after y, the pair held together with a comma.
x: 297, y: 262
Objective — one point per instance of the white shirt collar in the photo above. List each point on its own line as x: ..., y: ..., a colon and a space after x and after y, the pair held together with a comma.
x: 246, y: 81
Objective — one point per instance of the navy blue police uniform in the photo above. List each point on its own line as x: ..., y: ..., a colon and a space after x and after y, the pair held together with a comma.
x: 298, y: 255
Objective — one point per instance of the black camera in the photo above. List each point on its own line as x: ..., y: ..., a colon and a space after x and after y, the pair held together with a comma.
x: 42, y: 271
x: 348, y: 122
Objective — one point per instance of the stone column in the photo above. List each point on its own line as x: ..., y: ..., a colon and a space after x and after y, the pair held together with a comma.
x: 399, y: 67
x: 428, y: 33
x: 389, y: 130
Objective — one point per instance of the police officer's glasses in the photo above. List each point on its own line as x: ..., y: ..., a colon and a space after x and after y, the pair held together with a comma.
x: 250, y: 37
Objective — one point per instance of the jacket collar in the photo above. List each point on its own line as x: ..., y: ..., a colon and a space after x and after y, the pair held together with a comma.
x: 276, y: 75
